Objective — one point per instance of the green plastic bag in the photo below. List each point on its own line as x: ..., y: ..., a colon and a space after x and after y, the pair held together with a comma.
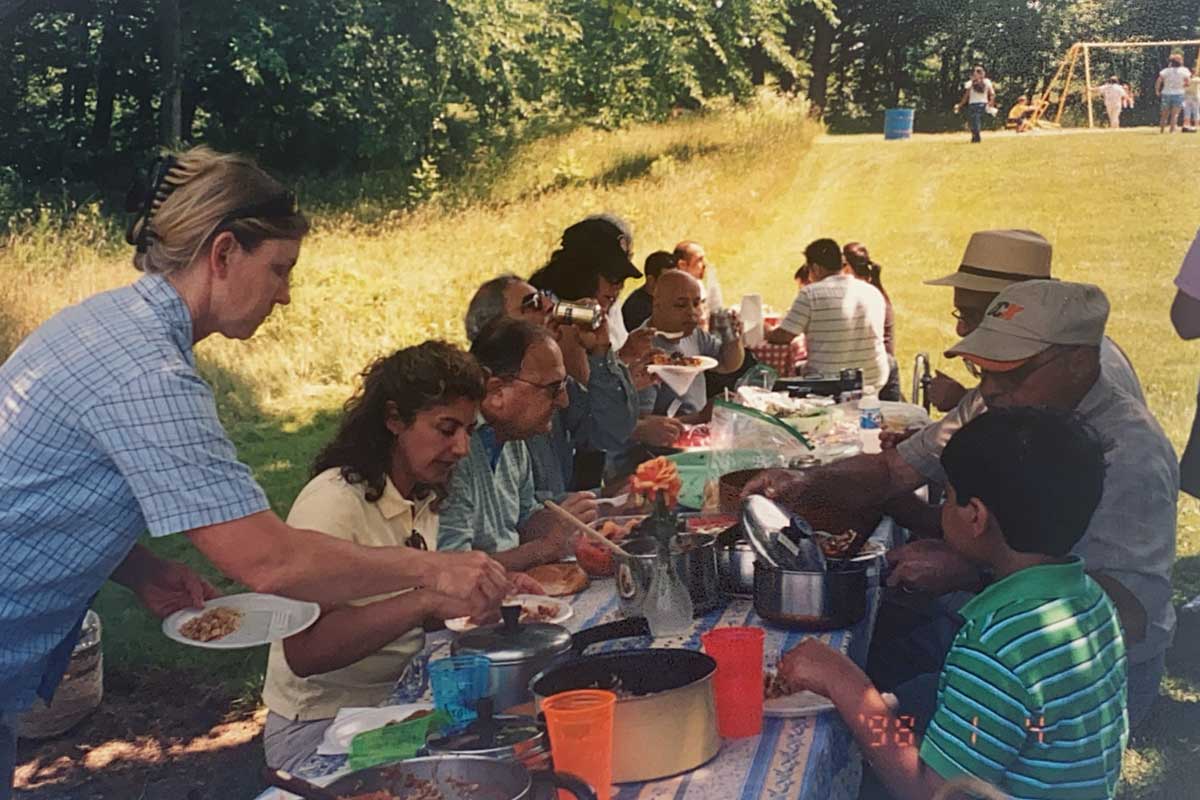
x: 394, y: 742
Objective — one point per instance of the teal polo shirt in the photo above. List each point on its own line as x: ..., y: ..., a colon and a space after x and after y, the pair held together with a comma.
x: 489, y: 498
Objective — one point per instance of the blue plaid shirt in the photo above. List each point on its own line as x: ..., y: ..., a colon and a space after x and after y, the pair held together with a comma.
x: 106, y: 431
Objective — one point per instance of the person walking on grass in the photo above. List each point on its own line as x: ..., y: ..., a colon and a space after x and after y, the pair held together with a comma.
x: 979, y: 98
x: 1171, y: 87
x: 1114, y: 96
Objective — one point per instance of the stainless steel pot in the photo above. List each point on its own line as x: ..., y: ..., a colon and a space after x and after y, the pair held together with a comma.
x: 665, y: 721
x: 519, y: 651
x: 455, y: 775
x: 815, y: 601
x: 735, y: 567
x: 694, y: 556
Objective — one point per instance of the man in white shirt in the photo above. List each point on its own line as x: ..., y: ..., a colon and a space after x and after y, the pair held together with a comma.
x: 841, y: 317
x: 1171, y: 86
x: 1114, y: 96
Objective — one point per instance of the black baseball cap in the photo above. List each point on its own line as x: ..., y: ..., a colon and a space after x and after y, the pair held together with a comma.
x: 600, y: 240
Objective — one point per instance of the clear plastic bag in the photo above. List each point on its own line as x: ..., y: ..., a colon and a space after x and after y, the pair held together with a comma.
x: 743, y: 438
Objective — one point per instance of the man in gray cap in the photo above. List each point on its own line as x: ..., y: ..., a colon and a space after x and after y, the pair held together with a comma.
x: 993, y: 261
x: 1039, y: 344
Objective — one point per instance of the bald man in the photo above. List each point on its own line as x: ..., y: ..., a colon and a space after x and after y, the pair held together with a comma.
x: 691, y: 258
x: 676, y: 317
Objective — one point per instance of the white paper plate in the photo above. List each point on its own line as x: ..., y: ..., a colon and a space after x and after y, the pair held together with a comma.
x: 800, y: 704
x: 258, y: 620
x: 679, y: 377
x: 706, y: 363
x: 460, y: 624
x: 350, y: 722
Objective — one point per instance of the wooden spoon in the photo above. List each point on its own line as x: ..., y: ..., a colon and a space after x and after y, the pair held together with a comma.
x: 568, y: 517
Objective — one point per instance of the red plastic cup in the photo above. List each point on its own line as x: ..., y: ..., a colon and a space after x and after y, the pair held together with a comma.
x: 580, y: 724
x: 739, y: 680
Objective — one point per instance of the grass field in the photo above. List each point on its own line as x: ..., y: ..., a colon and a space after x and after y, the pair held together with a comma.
x: 754, y: 187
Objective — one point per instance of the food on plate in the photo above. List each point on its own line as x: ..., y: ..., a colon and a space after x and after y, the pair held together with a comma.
x: 560, y: 579
x: 776, y: 686
x: 655, y: 475
x: 694, y: 436
x: 215, y: 623
x: 675, y: 360
x: 538, y: 612
x: 837, y: 546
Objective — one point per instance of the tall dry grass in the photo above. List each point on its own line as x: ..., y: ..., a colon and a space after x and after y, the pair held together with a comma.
x: 362, y: 289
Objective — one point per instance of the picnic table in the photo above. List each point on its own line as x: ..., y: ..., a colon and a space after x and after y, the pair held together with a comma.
x: 813, y: 758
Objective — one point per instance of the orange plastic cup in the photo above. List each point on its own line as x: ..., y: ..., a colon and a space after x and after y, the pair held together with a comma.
x: 580, y: 724
x: 738, y: 684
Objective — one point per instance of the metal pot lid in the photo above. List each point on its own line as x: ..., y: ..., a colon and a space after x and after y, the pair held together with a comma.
x: 765, y: 524
x: 512, y: 642
x: 509, y: 737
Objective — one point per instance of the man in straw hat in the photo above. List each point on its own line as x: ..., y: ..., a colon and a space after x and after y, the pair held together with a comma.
x: 1039, y: 343
x: 993, y: 261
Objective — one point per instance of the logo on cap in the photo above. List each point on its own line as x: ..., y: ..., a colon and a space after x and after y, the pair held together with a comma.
x: 1005, y: 311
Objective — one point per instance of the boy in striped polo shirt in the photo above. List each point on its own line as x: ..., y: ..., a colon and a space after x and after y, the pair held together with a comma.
x: 1031, y: 697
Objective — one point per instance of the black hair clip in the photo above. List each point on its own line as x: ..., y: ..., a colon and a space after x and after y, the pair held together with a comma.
x: 144, y: 197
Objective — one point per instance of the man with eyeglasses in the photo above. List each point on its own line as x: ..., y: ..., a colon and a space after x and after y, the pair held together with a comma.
x: 1039, y: 344
x: 993, y: 261
x: 491, y: 503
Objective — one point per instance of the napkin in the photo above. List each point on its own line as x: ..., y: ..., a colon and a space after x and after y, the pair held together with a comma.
x: 394, y: 742
x: 752, y: 319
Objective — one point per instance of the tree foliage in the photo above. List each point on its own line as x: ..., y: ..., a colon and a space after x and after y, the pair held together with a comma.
x: 419, y: 87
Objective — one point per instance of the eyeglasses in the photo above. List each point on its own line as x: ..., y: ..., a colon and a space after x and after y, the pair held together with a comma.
x: 553, y: 389
x: 1016, y: 376
x: 969, y: 317
x: 416, y: 541
x: 536, y: 301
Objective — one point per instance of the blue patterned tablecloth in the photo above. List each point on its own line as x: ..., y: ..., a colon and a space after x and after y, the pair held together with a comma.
x: 812, y: 758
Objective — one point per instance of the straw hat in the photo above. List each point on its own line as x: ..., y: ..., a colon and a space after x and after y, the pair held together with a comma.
x: 996, y: 259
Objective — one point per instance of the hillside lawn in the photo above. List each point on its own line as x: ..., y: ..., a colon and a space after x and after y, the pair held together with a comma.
x: 754, y: 187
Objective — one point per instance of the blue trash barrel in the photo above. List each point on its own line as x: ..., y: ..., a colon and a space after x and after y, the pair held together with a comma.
x: 898, y: 123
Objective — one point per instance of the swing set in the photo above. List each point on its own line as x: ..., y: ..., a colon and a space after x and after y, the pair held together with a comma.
x: 1066, y: 73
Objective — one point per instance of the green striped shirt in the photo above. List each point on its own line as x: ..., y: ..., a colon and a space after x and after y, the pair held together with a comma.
x: 1032, y: 695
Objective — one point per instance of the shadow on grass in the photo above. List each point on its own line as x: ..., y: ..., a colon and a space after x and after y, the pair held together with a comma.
x: 638, y: 165
x: 159, y: 738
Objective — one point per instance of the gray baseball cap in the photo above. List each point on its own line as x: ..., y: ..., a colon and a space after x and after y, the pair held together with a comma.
x: 1028, y: 317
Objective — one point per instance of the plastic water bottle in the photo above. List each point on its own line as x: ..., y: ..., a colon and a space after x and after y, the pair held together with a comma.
x: 870, y: 420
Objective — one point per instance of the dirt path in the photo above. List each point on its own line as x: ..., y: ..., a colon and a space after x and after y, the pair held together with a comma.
x: 144, y: 744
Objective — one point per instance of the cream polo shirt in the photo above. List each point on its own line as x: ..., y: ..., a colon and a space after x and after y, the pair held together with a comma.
x: 332, y: 506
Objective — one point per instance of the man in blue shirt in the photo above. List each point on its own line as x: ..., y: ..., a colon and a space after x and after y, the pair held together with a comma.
x: 107, y: 431
x: 491, y: 504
